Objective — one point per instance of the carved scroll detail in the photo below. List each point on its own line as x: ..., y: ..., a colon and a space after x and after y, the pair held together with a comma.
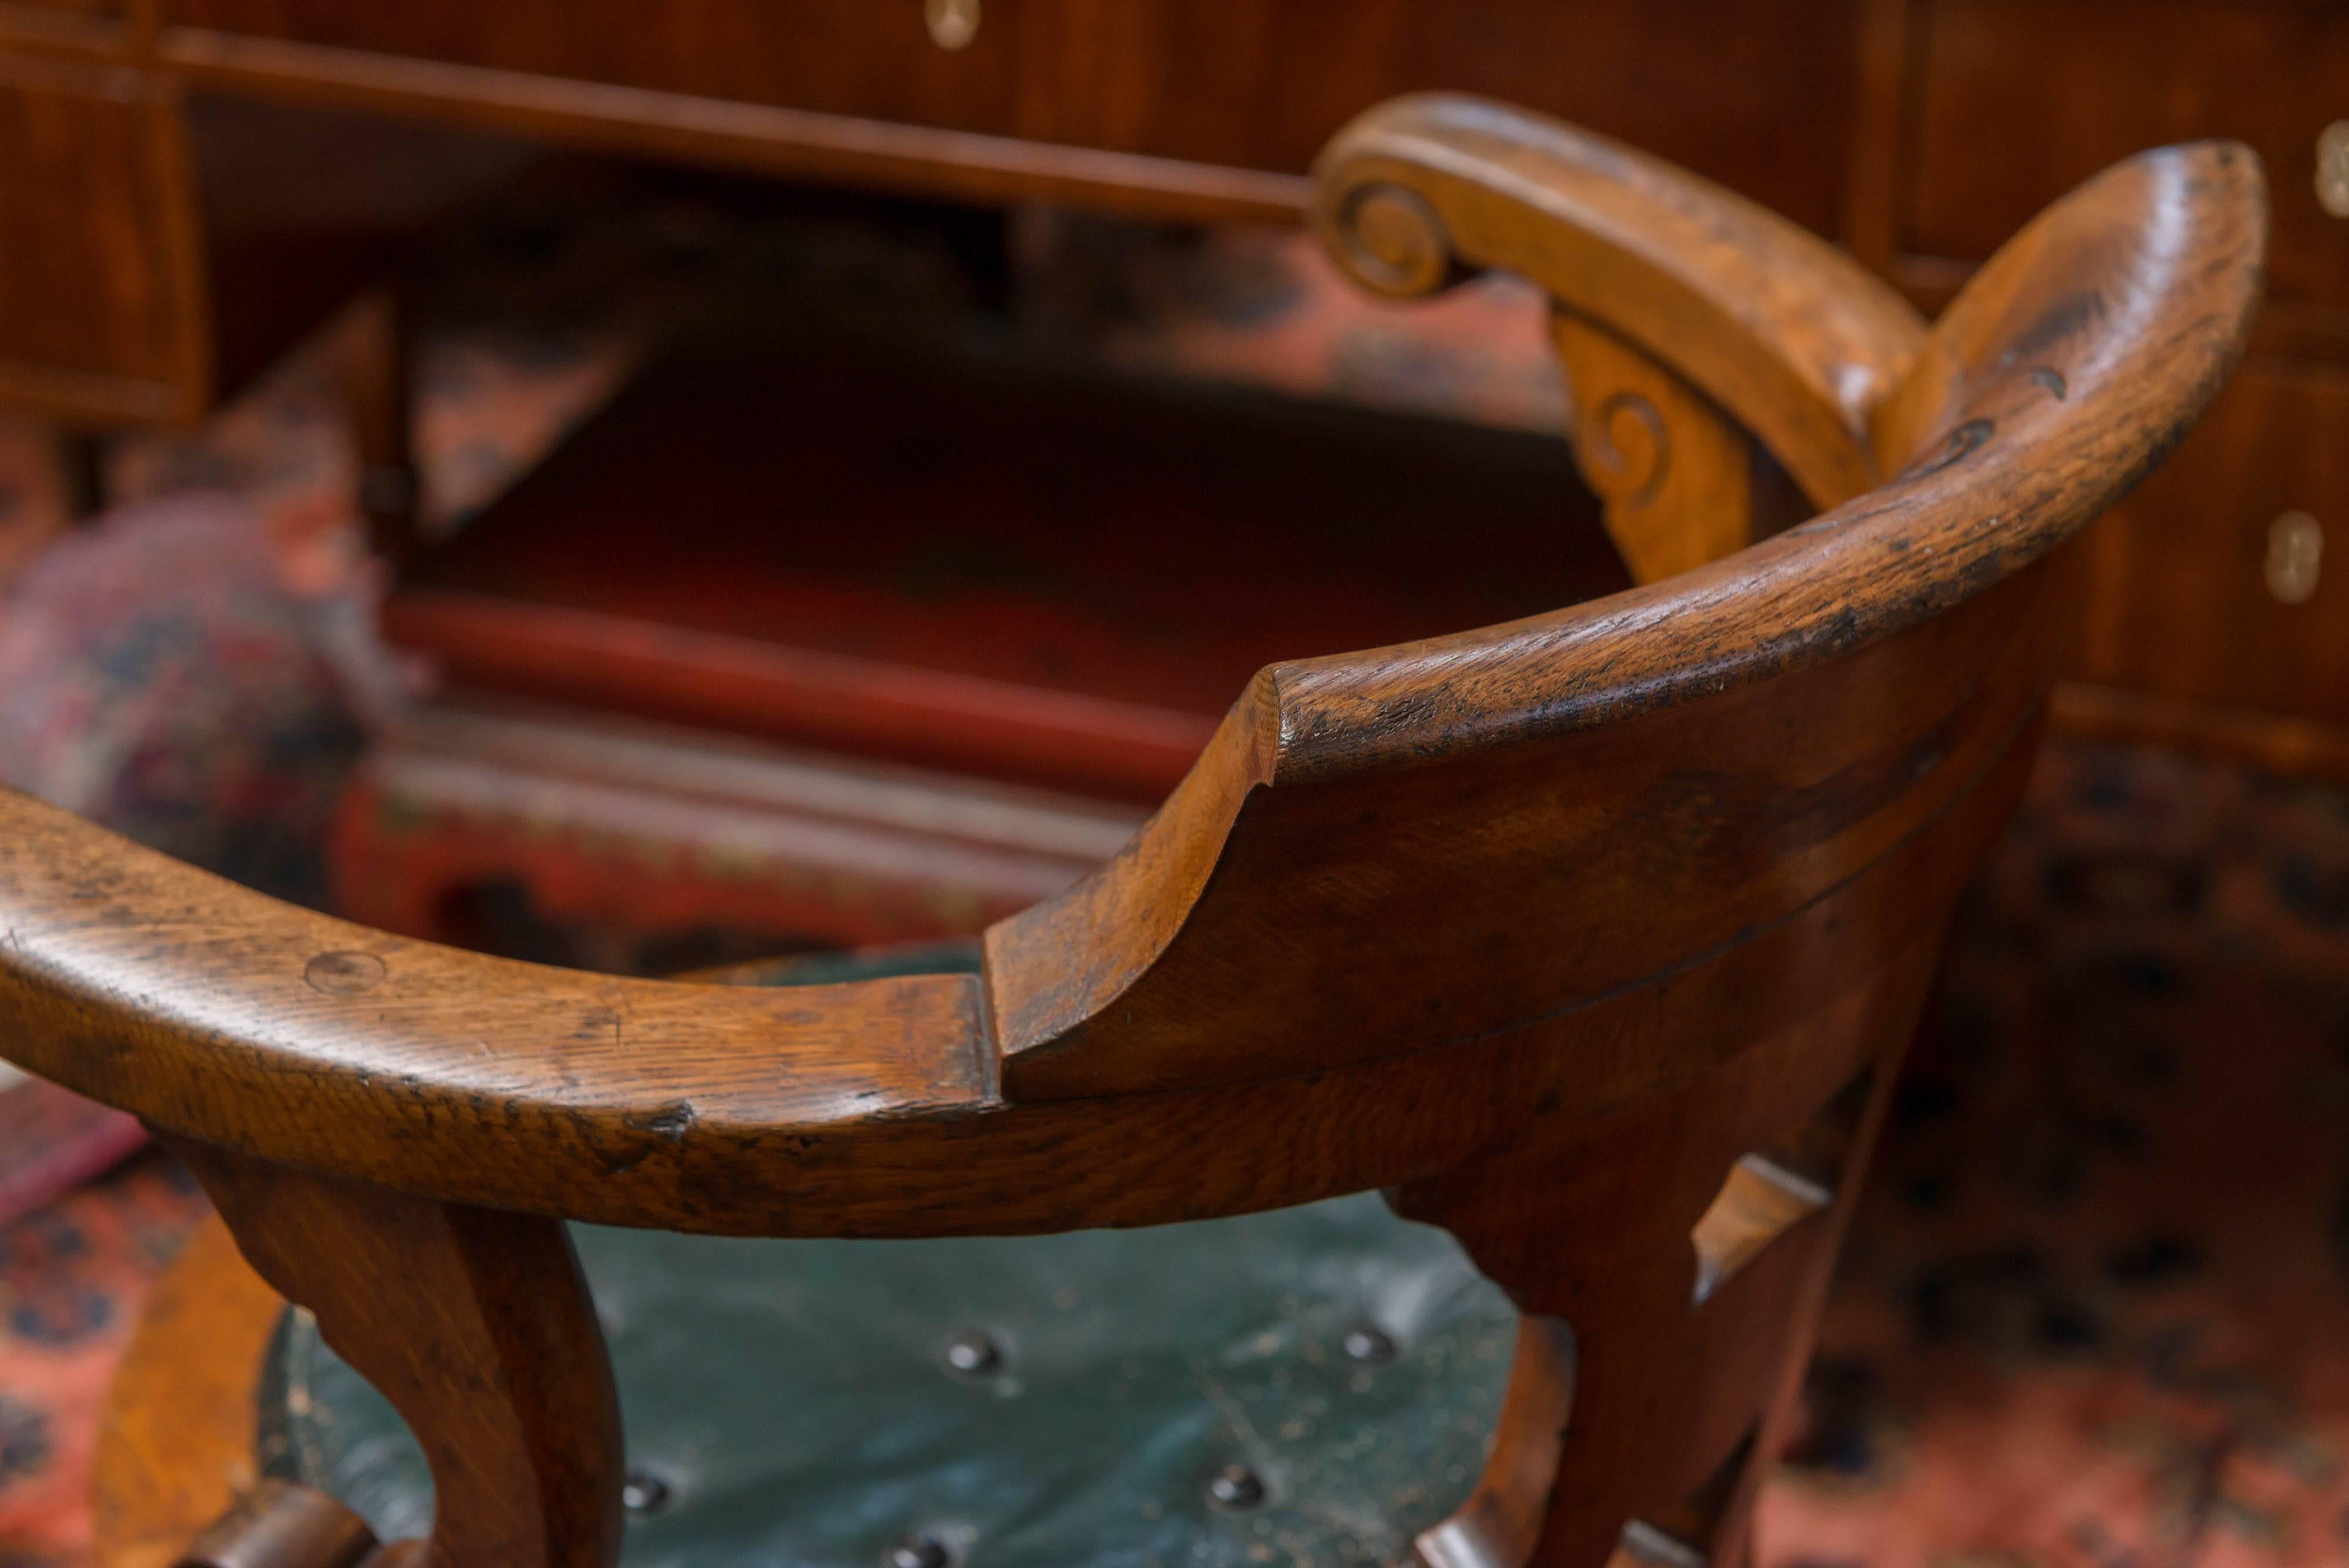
x: 1391, y: 239
x: 1675, y: 476
x: 1626, y: 450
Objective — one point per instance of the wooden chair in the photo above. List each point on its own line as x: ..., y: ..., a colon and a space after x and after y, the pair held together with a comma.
x: 1592, y: 939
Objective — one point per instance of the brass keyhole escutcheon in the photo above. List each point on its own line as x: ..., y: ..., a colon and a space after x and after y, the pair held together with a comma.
x: 2295, y: 554
x: 953, y: 23
x: 2333, y: 169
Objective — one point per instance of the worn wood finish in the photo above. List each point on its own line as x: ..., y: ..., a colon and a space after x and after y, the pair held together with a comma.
x: 1555, y: 926
x: 477, y: 1326
x: 1635, y: 868
x: 2004, y: 340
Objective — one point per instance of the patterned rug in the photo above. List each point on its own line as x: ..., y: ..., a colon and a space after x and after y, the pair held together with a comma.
x: 73, y: 1276
x: 2095, y: 1311
x: 53, y: 1141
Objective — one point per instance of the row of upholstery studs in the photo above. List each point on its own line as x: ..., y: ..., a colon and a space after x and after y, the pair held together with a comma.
x: 974, y: 1353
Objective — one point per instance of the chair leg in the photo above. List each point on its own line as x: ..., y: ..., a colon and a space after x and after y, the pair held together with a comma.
x: 279, y: 1524
x: 477, y: 1326
x: 1667, y: 1386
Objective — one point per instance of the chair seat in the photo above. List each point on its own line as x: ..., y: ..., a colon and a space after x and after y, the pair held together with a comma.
x: 1032, y: 1400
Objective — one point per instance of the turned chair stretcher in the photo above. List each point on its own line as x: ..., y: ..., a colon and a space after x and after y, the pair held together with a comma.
x: 1606, y: 925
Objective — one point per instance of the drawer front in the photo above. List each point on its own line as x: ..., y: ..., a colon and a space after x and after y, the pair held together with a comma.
x: 1257, y: 84
x: 2021, y: 100
x: 2225, y: 579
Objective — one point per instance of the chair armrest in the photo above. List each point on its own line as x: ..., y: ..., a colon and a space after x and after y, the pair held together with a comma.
x: 223, y: 1016
x: 1798, y: 342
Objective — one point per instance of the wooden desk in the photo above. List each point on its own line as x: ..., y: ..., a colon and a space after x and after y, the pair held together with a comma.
x: 1920, y: 131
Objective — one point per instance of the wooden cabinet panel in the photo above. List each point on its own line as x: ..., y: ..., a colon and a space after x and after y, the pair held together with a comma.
x: 87, y: 24
x: 303, y: 208
x: 2188, y: 571
x: 1753, y: 93
x: 91, y: 306
x: 869, y: 57
x: 2021, y: 100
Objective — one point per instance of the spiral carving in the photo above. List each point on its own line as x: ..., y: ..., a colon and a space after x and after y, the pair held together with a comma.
x: 1391, y: 238
x: 1626, y: 448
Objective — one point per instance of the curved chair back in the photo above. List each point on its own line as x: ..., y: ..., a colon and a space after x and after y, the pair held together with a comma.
x: 1594, y: 937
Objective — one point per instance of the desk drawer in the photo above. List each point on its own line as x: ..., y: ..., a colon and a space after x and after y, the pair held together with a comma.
x: 2021, y: 100
x: 2225, y: 579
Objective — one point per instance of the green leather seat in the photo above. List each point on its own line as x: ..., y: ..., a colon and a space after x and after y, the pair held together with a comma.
x: 1314, y: 1385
